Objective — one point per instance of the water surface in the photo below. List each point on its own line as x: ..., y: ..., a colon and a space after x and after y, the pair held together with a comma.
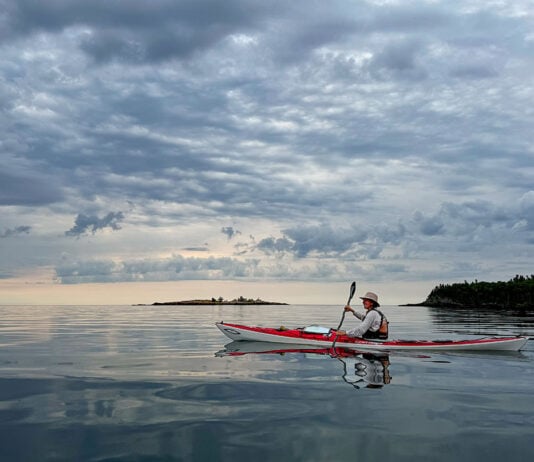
x: 131, y: 383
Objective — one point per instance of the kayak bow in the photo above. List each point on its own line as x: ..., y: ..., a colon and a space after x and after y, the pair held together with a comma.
x: 300, y: 336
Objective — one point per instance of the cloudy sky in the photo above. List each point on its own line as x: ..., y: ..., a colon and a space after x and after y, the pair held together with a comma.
x: 170, y: 149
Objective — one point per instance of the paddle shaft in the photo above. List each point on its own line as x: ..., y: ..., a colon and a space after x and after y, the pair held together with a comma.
x: 352, y: 292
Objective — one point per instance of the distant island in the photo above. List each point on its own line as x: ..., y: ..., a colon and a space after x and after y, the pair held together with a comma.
x: 221, y: 301
x: 517, y: 293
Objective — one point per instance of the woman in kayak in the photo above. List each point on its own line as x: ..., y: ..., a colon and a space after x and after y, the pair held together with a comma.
x: 373, y: 325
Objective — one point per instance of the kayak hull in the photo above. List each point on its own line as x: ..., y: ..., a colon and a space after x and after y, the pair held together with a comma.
x: 239, y: 332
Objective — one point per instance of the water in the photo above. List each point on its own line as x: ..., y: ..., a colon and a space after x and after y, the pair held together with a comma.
x: 133, y: 383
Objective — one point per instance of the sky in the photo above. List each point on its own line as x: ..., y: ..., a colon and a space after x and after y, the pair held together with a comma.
x: 167, y: 150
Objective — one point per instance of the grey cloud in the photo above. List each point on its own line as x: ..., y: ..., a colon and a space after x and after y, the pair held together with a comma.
x: 526, y: 207
x: 136, y: 31
x: 408, y: 18
x: 476, y: 226
x: 91, y: 223
x: 305, y: 240
x: 15, y: 231
x: 464, y: 222
x: 290, y: 112
x: 399, y: 59
x: 154, y: 47
x: 175, y: 268
x: 179, y: 268
x: 197, y: 249
x: 389, y: 234
x: 271, y: 245
x: 87, y: 271
x: 323, y: 239
x: 230, y: 232
x: 474, y: 71
x: 27, y: 189
x: 477, y: 213
x: 429, y: 226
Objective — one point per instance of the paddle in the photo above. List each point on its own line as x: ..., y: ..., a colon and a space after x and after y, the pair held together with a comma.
x: 352, y: 292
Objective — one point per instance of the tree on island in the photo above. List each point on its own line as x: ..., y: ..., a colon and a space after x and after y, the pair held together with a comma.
x: 221, y: 301
x: 517, y: 293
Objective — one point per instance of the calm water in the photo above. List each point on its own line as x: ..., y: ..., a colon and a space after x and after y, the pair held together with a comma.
x: 130, y: 383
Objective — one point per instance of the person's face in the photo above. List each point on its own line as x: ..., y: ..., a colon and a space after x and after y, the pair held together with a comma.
x: 367, y: 304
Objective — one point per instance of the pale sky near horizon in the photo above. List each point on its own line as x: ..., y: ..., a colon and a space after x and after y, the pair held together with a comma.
x: 179, y: 149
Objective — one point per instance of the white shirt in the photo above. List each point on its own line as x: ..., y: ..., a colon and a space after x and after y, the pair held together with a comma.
x: 371, y: 322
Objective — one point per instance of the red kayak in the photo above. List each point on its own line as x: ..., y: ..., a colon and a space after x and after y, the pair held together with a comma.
x: 321, y: 336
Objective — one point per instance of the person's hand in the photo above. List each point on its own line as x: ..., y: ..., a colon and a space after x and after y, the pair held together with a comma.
x: 348, y: 308
x: 341, y: 332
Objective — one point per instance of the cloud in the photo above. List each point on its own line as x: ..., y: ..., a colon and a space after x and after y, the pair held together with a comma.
x: 230, y: 232
x: 136, y: 32
x: 526, y: 205
x: 15, y: 231
x: 429, y: 226
x: 179, y: 268
x: 170, y: 269
x: 197, y: 249
x: 271, y: 245
x: 27, y: 190
x: 399, y: 59
x: 369, y: 139
x: 464, y: 219
x: 323, y: 239
x: 91, y: 223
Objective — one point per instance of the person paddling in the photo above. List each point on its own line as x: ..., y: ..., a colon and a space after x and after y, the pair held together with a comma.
x: 373, y: 325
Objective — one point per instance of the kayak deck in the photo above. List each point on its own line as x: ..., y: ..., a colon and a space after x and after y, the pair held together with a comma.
x: 299, y: 336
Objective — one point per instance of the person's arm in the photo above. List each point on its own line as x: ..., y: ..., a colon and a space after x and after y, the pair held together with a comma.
x: 355, y: 313
x: 364, y: 326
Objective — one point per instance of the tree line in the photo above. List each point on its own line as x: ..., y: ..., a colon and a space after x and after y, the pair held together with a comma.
x: 517, y: 293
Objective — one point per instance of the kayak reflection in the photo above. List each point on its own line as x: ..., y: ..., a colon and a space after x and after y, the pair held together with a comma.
x: 361, y: 369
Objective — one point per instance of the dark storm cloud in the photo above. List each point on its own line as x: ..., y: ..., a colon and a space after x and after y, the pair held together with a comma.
x: 92, y: 223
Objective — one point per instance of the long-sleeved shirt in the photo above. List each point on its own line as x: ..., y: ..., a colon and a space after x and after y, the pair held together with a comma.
x: 370, y: 321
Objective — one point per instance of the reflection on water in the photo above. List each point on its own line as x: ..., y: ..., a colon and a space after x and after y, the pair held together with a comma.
x: 367, y: 370
x: 359, y: 368
x: 483, y: 321
x: 143, y: 384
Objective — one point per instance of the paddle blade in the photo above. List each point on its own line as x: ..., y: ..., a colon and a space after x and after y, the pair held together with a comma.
x: 352, y: 291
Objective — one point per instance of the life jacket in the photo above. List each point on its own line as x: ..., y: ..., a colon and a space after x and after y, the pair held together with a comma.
x: 383, y: 330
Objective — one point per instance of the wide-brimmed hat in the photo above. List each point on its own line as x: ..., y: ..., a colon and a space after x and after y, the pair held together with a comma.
x: 371, y: 296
